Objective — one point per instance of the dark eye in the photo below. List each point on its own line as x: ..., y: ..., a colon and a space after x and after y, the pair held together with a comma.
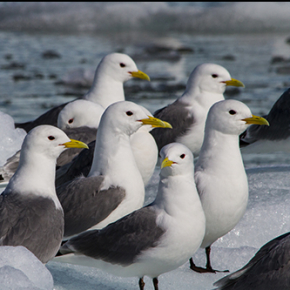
x: 51, y: 138
x: 182, y: 156
x: 232, y: 112
x: 70, y: 121
x: 122, y: 64
x: 214, y: 75
x: 129, y: 113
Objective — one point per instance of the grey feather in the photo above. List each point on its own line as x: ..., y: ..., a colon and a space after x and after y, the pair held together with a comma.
x: 279, y: 120
x: 85, y: 204
x: 122, y: 241
x: 80, y: 165
x: 268, y: 269
x: 31, y: 221
x: 179, y: 117
x: 48, y: 118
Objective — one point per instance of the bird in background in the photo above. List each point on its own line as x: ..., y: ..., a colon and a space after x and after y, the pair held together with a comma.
x: 187, y: 115
x: 107, y: 88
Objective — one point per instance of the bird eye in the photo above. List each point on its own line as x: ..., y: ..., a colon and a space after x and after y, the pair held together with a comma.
x: 70, y: 120
x: 51, y: 138
x: 182, y: 156
x: 214, y: 75
x: 122, y: 64
x: 129, y: 113
x: 232, y: 112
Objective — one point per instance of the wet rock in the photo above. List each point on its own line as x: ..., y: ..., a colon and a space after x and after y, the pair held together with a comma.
x: 287, y: 40
x: 278, y: 59
x: 229, y: 57
x: 52, y: 76
x: 13, y: 65
x: 21, y: 77
x: 8, y: 56
x: 49, y: 54
x: 283, y: 70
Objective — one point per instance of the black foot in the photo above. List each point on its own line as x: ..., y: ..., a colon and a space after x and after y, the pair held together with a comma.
x: 204, y: 270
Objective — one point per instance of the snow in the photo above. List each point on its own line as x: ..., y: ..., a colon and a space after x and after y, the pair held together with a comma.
x: 267, y: 217
x: 21, y: 270
x: 11, y: 138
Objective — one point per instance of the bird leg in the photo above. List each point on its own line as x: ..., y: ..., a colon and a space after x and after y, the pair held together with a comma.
x: 155, y: 283
x: 208, y: 268
x: 141, y: 283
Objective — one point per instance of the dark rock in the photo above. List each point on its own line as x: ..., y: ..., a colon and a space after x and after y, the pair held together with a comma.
x: 278, y: 59
x: 52, y: 76
x: 184, y: 49
x: 287, y: 40
x: 21, y: 77
x: 283, y: 70
x: 13, y: 65
x: 229, y: 57
x: 232, y: 91
x: 8, y: 56
x: 49, y: 54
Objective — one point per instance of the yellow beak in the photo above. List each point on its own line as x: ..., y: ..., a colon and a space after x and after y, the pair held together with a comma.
x: 139, y: 74
x: 75, y: 144
x: 235, y: 83
x: 155, y: 122
x: 166, y: 162
x: 256, y: 120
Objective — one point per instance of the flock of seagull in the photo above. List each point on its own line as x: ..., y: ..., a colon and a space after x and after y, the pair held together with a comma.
x: 77, y: 186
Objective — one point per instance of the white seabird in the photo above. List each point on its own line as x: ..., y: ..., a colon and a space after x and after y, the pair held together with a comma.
x: 220, y: 175
x: 79, y: 120
x: 107, y: 88
x: 187, y: 115
x: 267, y: 270
x: 143, y: 146
x: 114, y: 186
x: 155, y: 239
x: 275, y: 138
x: 30, y: 212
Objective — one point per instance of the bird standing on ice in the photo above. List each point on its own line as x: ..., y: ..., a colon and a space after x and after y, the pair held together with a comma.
x: 30, y: 212
x: 220, y: 175
x: 155, y: 239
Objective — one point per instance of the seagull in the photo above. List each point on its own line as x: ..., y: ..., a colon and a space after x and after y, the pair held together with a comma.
x: 155, y: 239
x: 187, y: 115
x: 263, y: 139
x: 144, y: 150
x: 107, y: 88
x: 114, y: 186
x: 267, y: 270
x: 30, y: 212
x: 79, y: 120
x: 220, y: 175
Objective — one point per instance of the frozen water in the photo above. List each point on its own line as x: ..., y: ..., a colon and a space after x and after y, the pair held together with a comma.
x: 10, y: 138
x: 21, y: 270
x: 267, y: 216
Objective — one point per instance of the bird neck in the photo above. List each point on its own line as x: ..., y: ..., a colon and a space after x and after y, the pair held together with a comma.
x: 35, y: 175
x: 114, y: 159
x: 177, y: 195
x: 105, y: 91
x: 220, y: 151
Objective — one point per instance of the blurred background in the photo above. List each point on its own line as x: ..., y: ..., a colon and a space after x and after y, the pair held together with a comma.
x: 49, y: 51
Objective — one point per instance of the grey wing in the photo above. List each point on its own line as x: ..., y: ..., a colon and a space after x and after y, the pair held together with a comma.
x: 268, y: 269
x: 122, y: 241
x: 9, y: 168
x: 180, y: 119
x: 33, y: 222
x: 279, y: 120
x: 84, y: 134
x: 48, y: 118
x: 80, y: 165
x: 85, y: 204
